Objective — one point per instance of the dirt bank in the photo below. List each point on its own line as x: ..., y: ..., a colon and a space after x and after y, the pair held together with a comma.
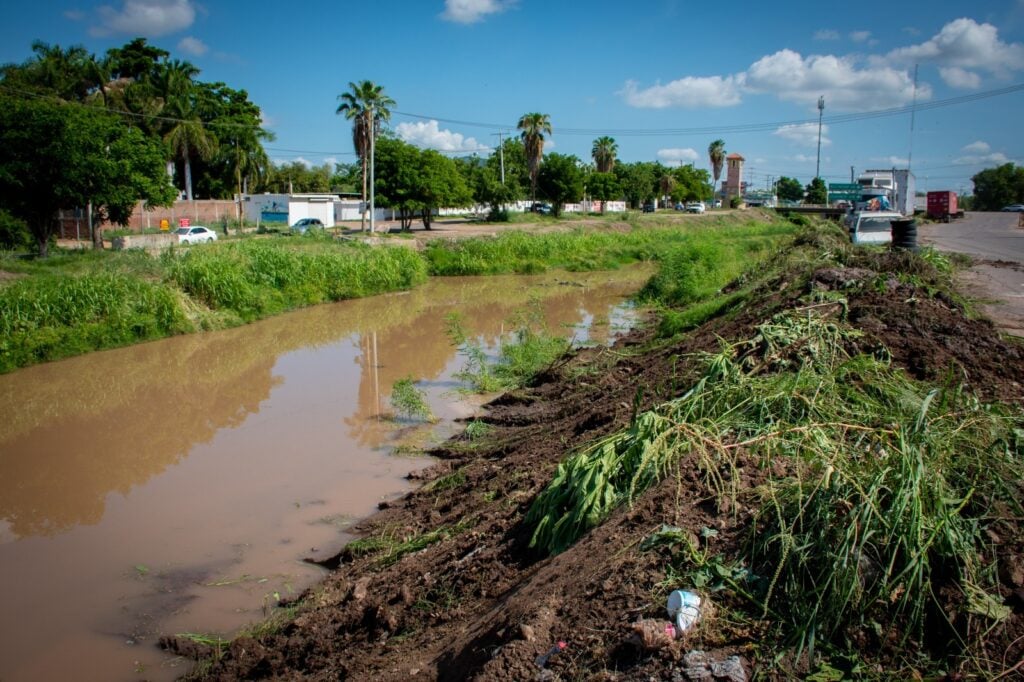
x: 472, y: 600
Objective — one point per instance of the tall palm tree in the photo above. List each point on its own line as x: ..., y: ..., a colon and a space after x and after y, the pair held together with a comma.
x: 533, y: 127
x: 604, y: 151
x: 365, y: 101
x: 716, y: 154
x: 186, y: 135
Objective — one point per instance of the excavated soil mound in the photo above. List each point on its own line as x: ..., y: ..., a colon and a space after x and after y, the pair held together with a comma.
x: 479, y: 603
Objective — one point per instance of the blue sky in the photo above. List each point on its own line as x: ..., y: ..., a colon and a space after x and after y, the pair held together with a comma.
x: 663, y: 77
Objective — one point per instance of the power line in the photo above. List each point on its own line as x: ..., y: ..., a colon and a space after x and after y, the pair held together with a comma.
x: 743, y: 127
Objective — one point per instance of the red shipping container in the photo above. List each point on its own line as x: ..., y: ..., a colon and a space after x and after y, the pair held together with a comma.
x: 942, y: 205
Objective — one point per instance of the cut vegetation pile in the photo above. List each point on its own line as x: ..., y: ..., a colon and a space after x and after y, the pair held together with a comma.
x: 828, y: 450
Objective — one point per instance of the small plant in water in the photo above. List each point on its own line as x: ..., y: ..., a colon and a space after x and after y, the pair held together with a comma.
x: 410, y: 402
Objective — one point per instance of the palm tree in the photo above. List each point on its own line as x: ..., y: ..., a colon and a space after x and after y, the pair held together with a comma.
x: 604, y: 151
x: 186, y: 134
x: 716, y: 153
x: 533, y: 127
x: 666, y: 183
x: 366, y: 105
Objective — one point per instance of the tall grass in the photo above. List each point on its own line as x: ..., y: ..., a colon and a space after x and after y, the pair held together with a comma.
x: 892, y: 487
x: 581, y: 249
x: 257, y: 278
x: 50, y: 317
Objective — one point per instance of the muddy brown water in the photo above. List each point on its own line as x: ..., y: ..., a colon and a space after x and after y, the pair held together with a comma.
x: 176, y: 486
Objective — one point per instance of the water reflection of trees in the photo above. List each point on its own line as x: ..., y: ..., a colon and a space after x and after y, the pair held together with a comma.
x: 418, y: 347
x: 76, y: 430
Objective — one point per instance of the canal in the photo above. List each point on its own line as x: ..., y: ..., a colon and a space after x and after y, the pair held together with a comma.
x: 176, y: 486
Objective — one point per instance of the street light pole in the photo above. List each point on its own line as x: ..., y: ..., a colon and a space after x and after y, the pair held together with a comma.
x: 821, y: 111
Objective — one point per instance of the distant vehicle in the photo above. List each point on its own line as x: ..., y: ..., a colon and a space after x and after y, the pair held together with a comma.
x: 695, y: 207
x: 541, y: 208
x: 1014, y: 208
x: 680, y: 206
x: 649, y: 207
x: 304, y: 225
x: 195, y: 235
x: 872, y: 227
x: 943, y: 206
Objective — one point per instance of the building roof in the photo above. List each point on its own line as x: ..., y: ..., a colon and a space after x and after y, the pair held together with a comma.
x: 736, y: 156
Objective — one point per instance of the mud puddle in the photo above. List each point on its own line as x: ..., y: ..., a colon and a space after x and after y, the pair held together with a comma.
x: 175, y: 487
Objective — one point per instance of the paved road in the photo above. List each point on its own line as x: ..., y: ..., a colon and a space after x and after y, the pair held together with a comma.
x: 998, y: 278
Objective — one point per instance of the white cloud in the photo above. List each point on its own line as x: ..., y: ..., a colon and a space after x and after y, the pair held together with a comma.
x: 848, y: 83
x: 993, y: 159
x: 331, y: 160
x: 860, y: 36
x: 472, y: 11
x: 804, y: 134
x: 74, y: 15
x: 980, y: 153
x: 687, y: 93
x: 966, y: 44
x: 429, y: 135
x: 685, y: 154
x: 892, y: 160
x: 955, y: 77
x: 145, y: 18
x: 192, y: 46
x: 826, y: 34
x: 790, y: 76
x: 803, y: 158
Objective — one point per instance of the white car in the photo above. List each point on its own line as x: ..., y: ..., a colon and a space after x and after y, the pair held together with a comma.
x: 872, y: 227
x: 196, y: 234
x: 695, y: 207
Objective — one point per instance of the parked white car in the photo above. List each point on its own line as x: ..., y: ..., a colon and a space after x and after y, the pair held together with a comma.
x: 196, y: 234
x: 695, y: 207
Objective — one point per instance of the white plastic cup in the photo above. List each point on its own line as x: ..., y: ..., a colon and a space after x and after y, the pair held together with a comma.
x: 684, y: 607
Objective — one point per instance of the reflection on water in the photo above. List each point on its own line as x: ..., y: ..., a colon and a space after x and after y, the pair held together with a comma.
x: 175, y: 486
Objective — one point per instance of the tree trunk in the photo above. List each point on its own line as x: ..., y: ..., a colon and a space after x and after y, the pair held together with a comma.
x: 94, y: 230
x: 188, y: 175
x: 362, y: 214
x: 426, y: 214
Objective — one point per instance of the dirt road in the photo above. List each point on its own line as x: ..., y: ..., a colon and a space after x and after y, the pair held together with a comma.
x: 997, y: 278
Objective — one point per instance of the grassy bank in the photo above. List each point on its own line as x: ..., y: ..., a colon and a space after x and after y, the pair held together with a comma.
x: 73, y: 303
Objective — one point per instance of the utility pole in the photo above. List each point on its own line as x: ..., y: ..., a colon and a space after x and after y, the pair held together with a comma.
x: 501, y: 154
x: 372, y: 151
x: 821, y: 111
x: 851, y: 175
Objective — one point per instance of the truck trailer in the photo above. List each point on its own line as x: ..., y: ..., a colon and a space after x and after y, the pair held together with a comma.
x: 943, y: 206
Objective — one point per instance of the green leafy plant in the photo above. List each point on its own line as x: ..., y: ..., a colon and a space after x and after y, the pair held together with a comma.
x: 410, y: 402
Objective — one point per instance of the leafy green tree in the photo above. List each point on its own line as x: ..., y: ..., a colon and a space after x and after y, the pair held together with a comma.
x: 55, y: 156
x: 817, y: 192
x: 417, y: 182
x: 532, y: 128
x: 560, y: 180
x: 997, y: 187
x: 691, y: 184
x: 346, y: 178
x: 604, y: 152
x: 136, y: 60
x: 789, y: 189
x: 716, y: 155
x: 638, y: 181
x: 298, y: 177
x: 367, y: 106
x: 603, y: 187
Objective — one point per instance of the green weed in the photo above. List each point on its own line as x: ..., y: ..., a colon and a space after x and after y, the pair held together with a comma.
x: 411, y: 402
